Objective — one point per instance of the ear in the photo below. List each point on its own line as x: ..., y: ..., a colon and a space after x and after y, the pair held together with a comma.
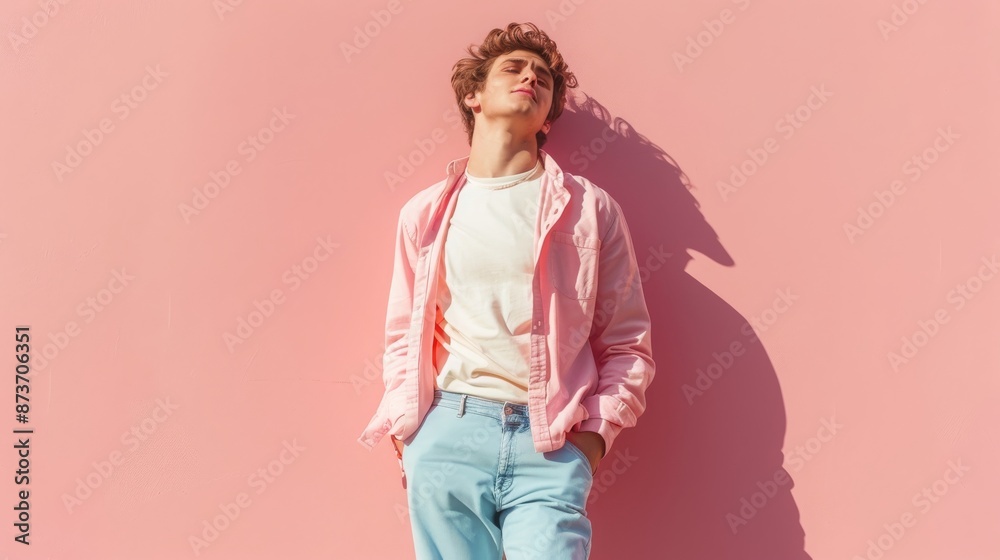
x: 471, y: 101
x: 546, y: 127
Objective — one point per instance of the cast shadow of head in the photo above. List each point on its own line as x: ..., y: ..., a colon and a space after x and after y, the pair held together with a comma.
x: 696, y: 478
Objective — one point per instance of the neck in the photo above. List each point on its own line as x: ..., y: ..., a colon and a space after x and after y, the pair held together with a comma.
x: 499, y: 153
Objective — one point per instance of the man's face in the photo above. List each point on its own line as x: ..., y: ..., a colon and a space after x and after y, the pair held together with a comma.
x: 516, y: 70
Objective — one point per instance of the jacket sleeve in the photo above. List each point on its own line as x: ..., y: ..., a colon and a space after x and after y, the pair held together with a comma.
x: 619, y: 337
x: 400, y: 305
x: 397, y: 324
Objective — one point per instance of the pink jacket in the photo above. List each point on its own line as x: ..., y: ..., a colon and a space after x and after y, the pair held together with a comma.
x: 591, y: 358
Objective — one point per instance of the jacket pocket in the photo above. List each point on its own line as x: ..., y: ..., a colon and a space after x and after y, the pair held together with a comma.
x: 573, y: 264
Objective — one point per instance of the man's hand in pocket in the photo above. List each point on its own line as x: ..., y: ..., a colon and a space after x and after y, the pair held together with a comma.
x: 592, y: 445
x: 398, y: 443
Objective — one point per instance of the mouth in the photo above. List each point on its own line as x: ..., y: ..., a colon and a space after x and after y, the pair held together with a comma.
x: 525, y: 92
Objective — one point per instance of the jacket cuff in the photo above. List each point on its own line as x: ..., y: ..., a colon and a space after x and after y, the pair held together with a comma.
x: 363, y: 441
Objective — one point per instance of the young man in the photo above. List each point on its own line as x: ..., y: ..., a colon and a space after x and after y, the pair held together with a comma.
x: 517, y: 335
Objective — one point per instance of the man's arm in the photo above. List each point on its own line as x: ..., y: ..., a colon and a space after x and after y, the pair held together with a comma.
x: 398, y: 312
x: 400, y: 305
x: 621, y: 340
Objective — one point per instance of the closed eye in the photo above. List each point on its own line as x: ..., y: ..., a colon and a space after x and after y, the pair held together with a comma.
x: 515, y: 70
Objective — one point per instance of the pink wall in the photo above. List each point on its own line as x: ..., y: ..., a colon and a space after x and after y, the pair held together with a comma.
x: 134, y: 271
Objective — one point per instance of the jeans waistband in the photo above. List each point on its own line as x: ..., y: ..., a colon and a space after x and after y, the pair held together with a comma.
x: 478, y: 405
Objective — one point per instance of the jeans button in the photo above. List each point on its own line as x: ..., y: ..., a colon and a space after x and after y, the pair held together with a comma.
x: 508, y: 410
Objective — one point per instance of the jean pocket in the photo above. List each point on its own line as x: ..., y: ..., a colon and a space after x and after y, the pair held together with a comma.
x: 579, y: 452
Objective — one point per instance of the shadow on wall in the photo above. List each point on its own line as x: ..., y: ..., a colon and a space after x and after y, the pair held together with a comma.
x: 700, y: 476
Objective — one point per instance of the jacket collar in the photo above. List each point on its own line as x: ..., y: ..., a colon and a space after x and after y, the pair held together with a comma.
x: 554, y: 193
x: 455, y: 171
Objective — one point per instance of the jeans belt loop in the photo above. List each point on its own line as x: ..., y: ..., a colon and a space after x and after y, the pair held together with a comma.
x: 461, y: 406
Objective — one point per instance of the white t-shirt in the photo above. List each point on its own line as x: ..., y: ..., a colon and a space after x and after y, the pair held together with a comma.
x: 484, y: 301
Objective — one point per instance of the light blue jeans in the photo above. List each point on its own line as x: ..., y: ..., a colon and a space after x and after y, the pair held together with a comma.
x: 477, y: 489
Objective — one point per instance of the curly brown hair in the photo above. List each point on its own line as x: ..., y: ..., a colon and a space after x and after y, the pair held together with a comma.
x: 469, y: 74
